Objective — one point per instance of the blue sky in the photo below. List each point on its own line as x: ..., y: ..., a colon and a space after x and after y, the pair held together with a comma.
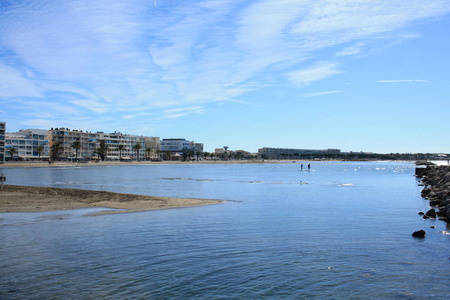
x: 355, y: 75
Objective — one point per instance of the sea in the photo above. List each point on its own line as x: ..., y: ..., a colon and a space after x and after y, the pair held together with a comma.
x: 340, y: 230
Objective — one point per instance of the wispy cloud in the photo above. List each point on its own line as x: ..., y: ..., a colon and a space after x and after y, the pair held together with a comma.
x: 405, y: 80
x: 351, y: 50
x: 316, y: 72
x: 317, y: 94
x: 181, y: 112
x: 109, y: 57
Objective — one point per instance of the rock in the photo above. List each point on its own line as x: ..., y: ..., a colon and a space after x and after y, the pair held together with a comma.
x: 419, y: 234
x: 425, y: 191
x: 421, y: 213
x: 435, y: 203
x: 431, y: 213
x: 445, y: 203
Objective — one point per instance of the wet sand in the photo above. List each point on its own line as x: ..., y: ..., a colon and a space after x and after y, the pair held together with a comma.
x: 17, y: 198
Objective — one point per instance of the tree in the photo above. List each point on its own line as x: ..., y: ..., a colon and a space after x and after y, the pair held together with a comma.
x: 148, y: 150
x: 137, y: 147
x: 76, y: 145
x: 103, y: 150
x: 198, y: 153
x: 55, y: 149
x: 158, y: 152
x: 168, y: 155
x: 120, y: 147
x: 39, y: 150
x: 205, y: 154
x: 98, y: 151
x: 12, y: 151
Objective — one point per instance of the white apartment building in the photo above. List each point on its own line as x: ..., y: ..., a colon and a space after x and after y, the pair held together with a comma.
x: 66, y: 138
x: 2, y: 142
x: 29, y: 144
x: 180, y: 145
x: 124, y: 146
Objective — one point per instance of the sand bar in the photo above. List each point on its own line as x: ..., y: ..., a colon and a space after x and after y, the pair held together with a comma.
x: 16, y: 198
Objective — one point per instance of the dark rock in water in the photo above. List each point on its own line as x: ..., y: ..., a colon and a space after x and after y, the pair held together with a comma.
x: 425, y: 191
x: 421, y: 213
x: 432, y: 227
x: 431, y: 213
x: 435, y: 203
x: 419, y: 233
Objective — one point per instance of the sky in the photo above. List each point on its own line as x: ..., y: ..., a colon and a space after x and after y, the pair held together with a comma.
x: 356, y: 75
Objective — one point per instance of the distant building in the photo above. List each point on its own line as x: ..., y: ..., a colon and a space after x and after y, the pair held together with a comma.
x: 180, y: 145
x: 2, y: 142
x: 289, y: 153
x: 113, y: 146
x: 29, y: 144
x: 66, y: 138
x: 124, y: 146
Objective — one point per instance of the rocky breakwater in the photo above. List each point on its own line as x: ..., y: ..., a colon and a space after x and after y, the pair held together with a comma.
x: 436, y: 182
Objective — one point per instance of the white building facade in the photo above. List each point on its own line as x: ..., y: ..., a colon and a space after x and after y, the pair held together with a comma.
x: 28, y: 144
x: 2, y: 142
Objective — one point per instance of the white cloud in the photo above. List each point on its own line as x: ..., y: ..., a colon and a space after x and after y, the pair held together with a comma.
x: 405, y: 80
x: 181, y: 112
x: 14, y: 82
x: 316, y: 72
x: 321, y: 93
x: 351, y: 50
x: 125, y: 56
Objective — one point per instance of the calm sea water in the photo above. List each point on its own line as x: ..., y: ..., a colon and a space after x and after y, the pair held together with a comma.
x: 340, y: 231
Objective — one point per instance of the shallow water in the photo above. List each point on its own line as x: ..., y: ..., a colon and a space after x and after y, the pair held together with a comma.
x: 339, y: 231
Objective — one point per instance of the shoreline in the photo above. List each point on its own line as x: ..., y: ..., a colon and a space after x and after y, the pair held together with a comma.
x: 18, y: 198
x: 45, y: 164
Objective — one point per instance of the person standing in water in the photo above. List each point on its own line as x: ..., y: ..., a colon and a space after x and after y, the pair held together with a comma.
x: 309, y: 167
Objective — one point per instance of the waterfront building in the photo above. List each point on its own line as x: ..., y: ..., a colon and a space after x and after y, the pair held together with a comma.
x: 180, y: 145
x: 66, y: 138
x: 128, y: 147
x: 289, y: 153
x: 29, y: 144
x: 2, y: 142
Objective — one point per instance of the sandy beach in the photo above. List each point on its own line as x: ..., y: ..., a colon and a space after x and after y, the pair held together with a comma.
x: 17, y: 198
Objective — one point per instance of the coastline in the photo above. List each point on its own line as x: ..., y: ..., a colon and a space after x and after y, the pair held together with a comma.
x: 17, y: 198
x: 44, y: 164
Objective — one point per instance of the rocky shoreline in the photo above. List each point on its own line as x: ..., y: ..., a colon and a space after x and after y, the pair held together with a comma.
x: 436, y: 182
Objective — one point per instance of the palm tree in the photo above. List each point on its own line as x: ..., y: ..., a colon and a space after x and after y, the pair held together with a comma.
x: 76, y: 145
x: 105, y: 149
x: 39, y: 150
x: 11, y: 151
x: 148, y: 150
x: 158, y: 152
x: 137, y: 147
x: 168, y: 155
x: 98, y: 151
x: 55, y: 149
x: 121, y: 147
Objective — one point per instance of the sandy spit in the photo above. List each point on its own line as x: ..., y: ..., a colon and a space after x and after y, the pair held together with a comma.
x: 16, y: 198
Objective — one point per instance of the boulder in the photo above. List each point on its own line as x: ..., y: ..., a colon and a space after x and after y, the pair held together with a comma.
x: 435, y: 203
x: 419, y: 234
x: 431, y: 213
